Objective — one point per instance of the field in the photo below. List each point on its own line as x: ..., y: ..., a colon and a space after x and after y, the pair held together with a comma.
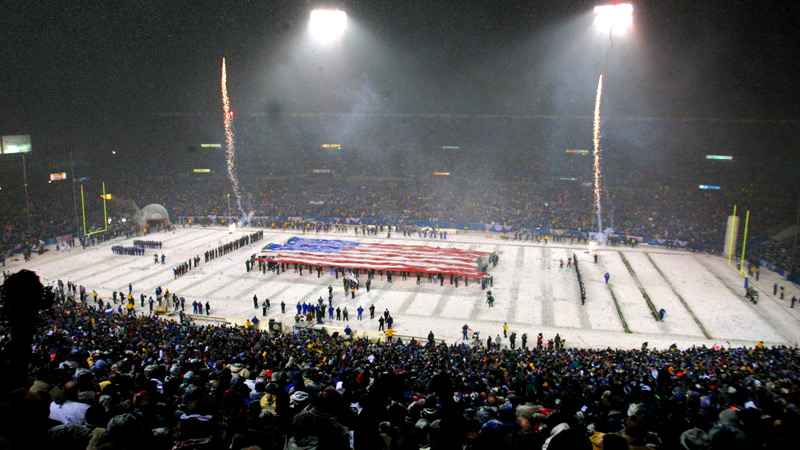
x: 702, y: 296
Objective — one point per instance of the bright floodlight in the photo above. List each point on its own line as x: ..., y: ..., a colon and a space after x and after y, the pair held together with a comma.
x: 327, y: 25
x: 617, y: 17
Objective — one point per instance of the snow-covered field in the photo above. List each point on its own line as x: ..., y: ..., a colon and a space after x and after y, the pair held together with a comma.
x: 702, y: 296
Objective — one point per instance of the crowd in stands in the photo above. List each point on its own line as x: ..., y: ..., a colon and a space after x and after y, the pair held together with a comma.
x: 667, y: 214
x: 383, y: 171
x: 116, y: 381
x: 778, y: 254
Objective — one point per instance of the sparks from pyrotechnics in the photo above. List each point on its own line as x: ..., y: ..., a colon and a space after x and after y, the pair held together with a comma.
x: 230, y: 155
x: 597, y: 170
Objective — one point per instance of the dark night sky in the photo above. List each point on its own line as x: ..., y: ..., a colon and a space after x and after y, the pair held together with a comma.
x: 75, y: 71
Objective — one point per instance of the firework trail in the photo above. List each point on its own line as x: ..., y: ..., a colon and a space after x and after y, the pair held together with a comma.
x: 597, y: 170
x: 230, y: 150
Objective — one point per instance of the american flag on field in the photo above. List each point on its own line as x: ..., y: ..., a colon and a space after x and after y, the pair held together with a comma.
x: 362, y: 255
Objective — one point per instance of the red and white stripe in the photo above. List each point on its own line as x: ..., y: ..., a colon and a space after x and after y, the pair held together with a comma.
x: 410, y: 258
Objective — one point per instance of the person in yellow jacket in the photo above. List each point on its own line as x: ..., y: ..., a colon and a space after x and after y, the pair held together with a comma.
x: 269, y: 400
x: 129, y: 307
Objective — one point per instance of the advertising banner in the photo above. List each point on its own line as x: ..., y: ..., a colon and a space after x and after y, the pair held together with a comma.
x: 20, y: 143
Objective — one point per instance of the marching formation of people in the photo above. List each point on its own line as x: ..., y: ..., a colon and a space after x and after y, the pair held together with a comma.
x: 226, y: 248
x: 122, y: 250
x: 147, y: 244
x: 581, y: 286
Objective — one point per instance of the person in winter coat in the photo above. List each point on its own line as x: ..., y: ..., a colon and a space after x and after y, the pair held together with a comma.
x: 317, y: 426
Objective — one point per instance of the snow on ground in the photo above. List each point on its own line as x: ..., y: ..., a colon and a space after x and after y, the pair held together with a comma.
x: 702, y: 295
x: 661, y: 293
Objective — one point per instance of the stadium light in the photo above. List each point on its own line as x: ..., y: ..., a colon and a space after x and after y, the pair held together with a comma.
x: 615, y: 17
x: 327, y: 25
